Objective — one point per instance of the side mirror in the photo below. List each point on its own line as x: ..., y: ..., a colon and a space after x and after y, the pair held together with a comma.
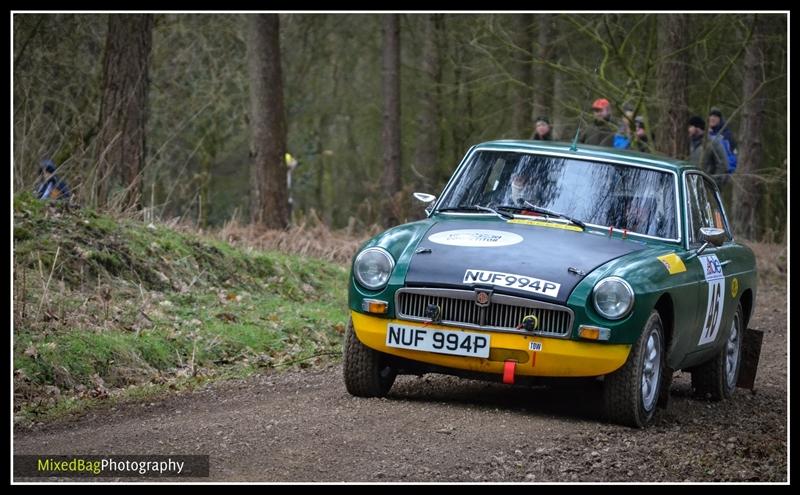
x: 425, y: 197
x: 709, y: 235
x: 712, y: 235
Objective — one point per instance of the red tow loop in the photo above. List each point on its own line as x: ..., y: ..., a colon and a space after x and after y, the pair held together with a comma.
x: 509, y: 367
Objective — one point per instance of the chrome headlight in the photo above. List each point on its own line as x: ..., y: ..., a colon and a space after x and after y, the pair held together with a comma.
x: 373, y: 267
x: 612, y: 298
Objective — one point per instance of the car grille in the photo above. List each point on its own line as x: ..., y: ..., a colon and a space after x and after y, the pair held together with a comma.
x: 504, y: 313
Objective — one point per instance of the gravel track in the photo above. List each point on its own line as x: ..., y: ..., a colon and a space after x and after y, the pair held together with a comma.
x: 304, y: 426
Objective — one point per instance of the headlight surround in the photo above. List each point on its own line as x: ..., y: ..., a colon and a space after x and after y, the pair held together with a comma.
x: 372, y: 268
x: 612, y: 298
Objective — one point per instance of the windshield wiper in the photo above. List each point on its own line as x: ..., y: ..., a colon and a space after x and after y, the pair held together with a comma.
x: 459, y: 208
x: 511, y: 207
x: 539, y: 209
x: 477, y: 208
x: 500, y: 214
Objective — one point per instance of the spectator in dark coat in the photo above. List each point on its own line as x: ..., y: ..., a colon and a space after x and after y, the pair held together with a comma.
x: 642, y: 136
x: 707, y: 153
x: 542, y: 131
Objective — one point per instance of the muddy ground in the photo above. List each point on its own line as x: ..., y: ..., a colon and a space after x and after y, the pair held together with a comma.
x: 304, y: 426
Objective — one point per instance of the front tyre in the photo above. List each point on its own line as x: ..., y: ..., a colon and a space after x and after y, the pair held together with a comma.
x: 716, y: 379
x: 365, y: 373
x: 631, y: 393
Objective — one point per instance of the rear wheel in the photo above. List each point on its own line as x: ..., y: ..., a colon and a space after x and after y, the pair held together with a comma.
x: 365, y: 371
x: 631, y: 393
x: 716, y: 379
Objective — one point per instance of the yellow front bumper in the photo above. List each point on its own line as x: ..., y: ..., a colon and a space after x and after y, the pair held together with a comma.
x: 557, y: 357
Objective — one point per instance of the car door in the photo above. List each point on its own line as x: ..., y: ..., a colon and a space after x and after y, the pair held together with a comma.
x: 715, y: 276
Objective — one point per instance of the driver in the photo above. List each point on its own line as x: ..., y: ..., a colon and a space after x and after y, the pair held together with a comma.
x: 519, y: 184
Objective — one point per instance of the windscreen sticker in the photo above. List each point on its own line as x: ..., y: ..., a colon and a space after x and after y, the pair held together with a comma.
x: 552, y: 225
x: 673, y: 263
x: 712, y: 269
x: 475, y: 238
x: 510, y: 280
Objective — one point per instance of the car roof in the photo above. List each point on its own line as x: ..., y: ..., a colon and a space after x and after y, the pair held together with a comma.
x: 599, y: 153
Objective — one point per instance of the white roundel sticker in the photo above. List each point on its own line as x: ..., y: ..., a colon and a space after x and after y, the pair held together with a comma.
x: 475, y: 238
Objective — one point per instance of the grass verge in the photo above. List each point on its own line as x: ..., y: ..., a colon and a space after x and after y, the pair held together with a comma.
x: 108, y: 309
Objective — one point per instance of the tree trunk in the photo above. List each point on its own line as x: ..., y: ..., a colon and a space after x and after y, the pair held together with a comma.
x: 123, y: 108
x: 673, y: 85
x: 391, y: 179
x: 458, y: 125
x: 543, y: 75
x: 269, y: 203
x: 747, y: 190
x: 428, y: 120
x: 521, y: 70
x: 560, y: 121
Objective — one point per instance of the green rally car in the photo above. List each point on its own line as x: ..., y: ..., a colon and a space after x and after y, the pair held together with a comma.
x: 549, y: 260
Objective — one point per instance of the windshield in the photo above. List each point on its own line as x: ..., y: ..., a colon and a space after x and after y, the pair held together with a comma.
x: 606, y: 194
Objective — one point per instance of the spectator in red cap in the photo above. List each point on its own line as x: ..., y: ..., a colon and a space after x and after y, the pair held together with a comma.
x: 602, y: 131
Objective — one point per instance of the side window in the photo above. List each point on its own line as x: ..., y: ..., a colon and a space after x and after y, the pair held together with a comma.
x: 717, y: 217
x: 703, y: 207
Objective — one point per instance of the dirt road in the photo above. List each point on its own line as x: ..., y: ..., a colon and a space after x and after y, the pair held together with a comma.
x: 303, y: 426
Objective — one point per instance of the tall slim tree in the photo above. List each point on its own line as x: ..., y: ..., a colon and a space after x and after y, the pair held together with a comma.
x: 269, y: 204
x: 747, y: 190
x: 543, y: 74
x: 427, y: 152
x: 123, y: 108
x: 390, y: 74
x: 521, y: 71
x: 673, y: 85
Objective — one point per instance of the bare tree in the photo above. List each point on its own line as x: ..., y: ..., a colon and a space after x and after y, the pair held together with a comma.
x: 543, y: 74
x: 123, y: 109
x: 748, y: 193
x: 521, y: 72
x: 391, y: 179
x: 427, y: 152
x: 269, y: 203
x: 673, y: 85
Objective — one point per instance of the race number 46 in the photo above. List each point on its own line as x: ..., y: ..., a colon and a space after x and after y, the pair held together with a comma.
x: 712, y: 269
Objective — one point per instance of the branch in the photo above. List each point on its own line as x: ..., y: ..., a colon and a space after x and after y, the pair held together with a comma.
x: 727, y: 68
x: 28, y: 40
x: 597, y: 39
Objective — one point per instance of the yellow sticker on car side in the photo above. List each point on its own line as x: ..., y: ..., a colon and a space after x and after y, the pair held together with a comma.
x: 734, y: 287
x: 673, y: 263
x: 552, y: 225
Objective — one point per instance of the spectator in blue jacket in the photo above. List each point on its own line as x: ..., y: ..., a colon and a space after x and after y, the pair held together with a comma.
x: 719, y: 130
x: 50, y: 185
x: 622, y: 138
x: 716, y: 123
